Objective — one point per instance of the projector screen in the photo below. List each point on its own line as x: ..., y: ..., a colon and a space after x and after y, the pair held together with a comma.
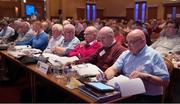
x: 29, y: 9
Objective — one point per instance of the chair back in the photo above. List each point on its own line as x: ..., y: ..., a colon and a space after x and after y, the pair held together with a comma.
x: 167, y: 93
x: 169, y: 65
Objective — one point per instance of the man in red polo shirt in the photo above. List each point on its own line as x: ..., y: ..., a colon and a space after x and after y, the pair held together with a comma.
x: 87, y: 47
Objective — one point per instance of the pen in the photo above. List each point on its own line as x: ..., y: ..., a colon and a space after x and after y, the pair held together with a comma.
x: 100, y: 72
x: 102, y: 75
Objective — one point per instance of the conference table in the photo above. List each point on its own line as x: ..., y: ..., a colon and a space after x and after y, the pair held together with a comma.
x: 60, y: 83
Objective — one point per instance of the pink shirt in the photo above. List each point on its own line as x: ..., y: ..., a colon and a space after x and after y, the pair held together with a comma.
x: 86, y: 50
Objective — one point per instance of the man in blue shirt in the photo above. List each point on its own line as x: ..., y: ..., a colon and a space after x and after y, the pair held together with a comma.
x: 141, y: 61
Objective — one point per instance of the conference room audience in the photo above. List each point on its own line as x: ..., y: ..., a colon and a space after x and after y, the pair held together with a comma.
x: 87, y: 47
x: 57, y: 38
x: 70, y: 41
x: 169, y: 40
x: 40, y: 38
x: 141, y: 61
x: 108, y: 54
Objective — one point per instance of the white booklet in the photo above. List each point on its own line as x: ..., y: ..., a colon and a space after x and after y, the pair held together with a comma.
x: 128, y: 87
x: 87, y: 69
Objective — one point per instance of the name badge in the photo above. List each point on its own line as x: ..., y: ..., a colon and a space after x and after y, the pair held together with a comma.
x: 102, y: 53
x: 43, y: 67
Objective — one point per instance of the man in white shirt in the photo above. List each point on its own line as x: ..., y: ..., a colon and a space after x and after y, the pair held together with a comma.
x: 57, y: 38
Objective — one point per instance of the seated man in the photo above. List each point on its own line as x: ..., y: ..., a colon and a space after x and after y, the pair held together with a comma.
x: 87, y: 47
x: 70, y: 41
x: 57, y: 37
x: 40, y: 39
x: 5, y: 31
x: 25, y: 33
x: 143, y: 62
x: 170, y: 40
x: 108, y: 54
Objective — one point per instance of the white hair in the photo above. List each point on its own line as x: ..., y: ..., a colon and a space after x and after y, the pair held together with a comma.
x: 58, y: 26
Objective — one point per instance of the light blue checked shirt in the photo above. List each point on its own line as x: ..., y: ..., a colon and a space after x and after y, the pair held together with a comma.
x: 70, y: 45
x: 54, y: 42
x: 147, y: 60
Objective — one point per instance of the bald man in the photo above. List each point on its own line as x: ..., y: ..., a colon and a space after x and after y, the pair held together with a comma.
x: 89, y: 46
x: 141, y: 61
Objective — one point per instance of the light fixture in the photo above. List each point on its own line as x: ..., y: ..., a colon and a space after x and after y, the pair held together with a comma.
x: 24, y: 1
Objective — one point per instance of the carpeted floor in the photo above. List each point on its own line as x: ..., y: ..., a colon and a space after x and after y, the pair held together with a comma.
x: 9, y: 94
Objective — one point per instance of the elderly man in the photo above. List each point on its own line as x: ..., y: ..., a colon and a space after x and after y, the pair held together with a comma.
x: 89, y: 46
x: 143, y: 62
x: 25, y: 33
x: 70, y: 41
x: 108, y: 54
x: 57, y: 37
x: 170, y: 41
x: 40, y: 38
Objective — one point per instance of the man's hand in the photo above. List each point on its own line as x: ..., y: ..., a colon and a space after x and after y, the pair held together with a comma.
x: 101, y: 77
x: 139, y: 74
x: 58, y: 50
x: 83, y: 43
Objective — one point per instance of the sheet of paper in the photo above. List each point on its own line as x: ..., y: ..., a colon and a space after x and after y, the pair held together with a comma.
x: 128, y: 86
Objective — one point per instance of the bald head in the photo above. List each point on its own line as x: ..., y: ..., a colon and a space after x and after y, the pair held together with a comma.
x: 136, y: 40
x: 91, y: 30
x: 137, y: 33
x: 107, y: 31
x: 90, y: 34
x: 106, y: 36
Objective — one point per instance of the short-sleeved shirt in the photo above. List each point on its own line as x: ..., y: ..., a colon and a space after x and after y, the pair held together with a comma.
x: 147, y: 60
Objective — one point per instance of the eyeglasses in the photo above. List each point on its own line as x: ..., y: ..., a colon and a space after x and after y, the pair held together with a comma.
x: 133, y: 41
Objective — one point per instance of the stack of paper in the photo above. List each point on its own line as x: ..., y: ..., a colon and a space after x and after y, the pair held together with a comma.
x: 55, y: 59
x: 86, y: 69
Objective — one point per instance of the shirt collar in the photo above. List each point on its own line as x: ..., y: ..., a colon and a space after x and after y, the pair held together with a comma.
x: 57, y: 38
x: 142, y: 50
x: 92, y: 42
x: 111, y: 44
